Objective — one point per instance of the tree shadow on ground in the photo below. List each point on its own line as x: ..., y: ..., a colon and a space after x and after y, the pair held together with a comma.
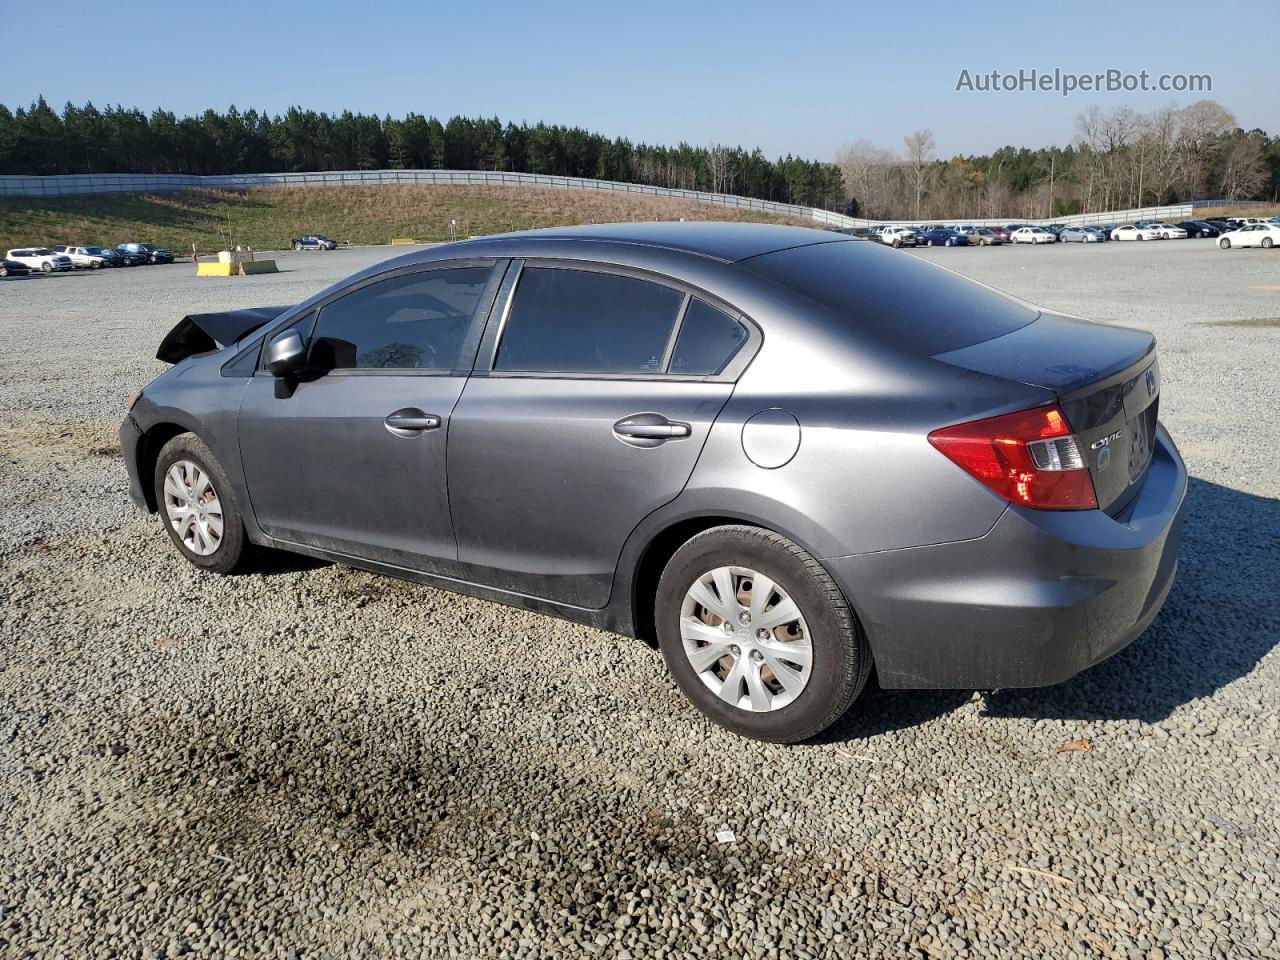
x: 1220, y: 619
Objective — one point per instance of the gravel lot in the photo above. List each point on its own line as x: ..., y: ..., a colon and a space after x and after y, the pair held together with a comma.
x: 312, y: 761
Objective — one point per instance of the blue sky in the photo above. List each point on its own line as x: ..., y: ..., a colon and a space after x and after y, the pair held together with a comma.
x: 800, y: 77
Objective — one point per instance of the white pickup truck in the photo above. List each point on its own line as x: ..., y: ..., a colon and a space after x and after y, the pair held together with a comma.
x: 91, y: 258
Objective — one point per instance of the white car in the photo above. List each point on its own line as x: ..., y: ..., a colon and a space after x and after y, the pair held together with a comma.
x: 41, y: 258
x: 1261, y: 234
x: 1032, y: 235
x: 1168, y: 231
x: 89, y: 257
x: 898, y: 236
x: 1130, y: 232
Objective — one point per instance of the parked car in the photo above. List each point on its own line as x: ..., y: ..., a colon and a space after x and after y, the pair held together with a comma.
x: 87, y: 258
x: 1032, y: 235
x: 149, y: 251
x: 41, y: 258
x: 1079, y: 235
x: 1199, y: 228
x: 1135, y: 232
x: 943, y: 237
x: 898, y: 237
x: 1015, y: 532
x: 1251, y: 235
x: 314, y: 241
x: 1168, y: 231
x: 1055, y: 229
x: 13, y: 268
x: 987, y: 237
x: 136, y: 258
x: 1000, y: 232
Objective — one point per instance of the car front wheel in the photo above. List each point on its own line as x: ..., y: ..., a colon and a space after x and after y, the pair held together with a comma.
x: 757, y: 634
x: 1266, y: 243
x: 1224, y: 243
x: 198, y: 506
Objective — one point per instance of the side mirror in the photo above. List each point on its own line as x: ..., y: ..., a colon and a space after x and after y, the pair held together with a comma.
x: 285, y: 353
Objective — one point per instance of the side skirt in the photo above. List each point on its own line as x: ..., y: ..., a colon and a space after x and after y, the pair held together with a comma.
x: 603, y: 619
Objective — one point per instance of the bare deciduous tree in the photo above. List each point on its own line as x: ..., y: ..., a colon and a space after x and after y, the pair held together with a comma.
x: 920, y: 147
x: 1244, y: 169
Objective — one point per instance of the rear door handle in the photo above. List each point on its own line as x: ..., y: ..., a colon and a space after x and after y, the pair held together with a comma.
x: 651, y: 427
x: 409, y: 421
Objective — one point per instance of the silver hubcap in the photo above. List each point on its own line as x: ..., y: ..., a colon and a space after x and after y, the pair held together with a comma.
x: 193, y: 507
x: 746, y: 639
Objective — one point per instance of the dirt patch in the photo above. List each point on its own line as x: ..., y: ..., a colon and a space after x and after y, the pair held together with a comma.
x: 1251, y: 322
x: 62, y: 441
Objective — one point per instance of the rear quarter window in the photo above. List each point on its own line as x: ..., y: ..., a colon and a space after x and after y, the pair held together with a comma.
x: 896, y: 296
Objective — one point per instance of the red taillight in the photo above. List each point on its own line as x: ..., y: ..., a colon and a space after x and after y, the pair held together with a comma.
x: 1029, y: 457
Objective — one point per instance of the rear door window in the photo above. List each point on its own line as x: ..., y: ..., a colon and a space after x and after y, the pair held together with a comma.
x: 707, y: 341
x: 418, y: 321
x: 567, y: 321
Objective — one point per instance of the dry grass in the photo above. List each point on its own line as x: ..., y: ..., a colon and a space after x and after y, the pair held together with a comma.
x: 268, y: 218
x: 1214, y: 213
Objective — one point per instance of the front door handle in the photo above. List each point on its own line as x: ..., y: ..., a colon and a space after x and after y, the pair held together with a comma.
x: 410, y: 421
x: 650, y: 429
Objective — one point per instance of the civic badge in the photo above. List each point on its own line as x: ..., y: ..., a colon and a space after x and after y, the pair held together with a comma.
x: 1104, y: 458
x: 1151, y: 383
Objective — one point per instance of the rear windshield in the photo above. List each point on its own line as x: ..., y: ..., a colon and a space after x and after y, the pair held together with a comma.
x: 896, y: 296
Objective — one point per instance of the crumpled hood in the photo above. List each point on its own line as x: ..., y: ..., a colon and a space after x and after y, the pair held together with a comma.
x: 202, y: 332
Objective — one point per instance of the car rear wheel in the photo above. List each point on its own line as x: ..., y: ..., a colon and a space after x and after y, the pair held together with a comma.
x: 297, y: 246
x: 1266, y: 243
x: 198, y: 507
x: 758, y: 636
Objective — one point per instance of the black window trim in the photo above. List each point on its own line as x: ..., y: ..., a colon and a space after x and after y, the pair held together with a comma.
x: 470, y: 343
x: 501, y: 312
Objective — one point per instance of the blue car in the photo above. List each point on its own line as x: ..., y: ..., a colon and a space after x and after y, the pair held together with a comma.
x: 942, y: 237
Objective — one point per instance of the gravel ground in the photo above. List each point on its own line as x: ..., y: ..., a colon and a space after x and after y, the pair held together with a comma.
x: 309, y: 761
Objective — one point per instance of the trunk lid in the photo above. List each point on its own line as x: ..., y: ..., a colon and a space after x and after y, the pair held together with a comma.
x: 1107, y: 380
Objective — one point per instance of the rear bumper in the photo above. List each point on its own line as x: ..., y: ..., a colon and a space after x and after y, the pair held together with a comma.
x: 1042, y: 596
x: 130, y: 437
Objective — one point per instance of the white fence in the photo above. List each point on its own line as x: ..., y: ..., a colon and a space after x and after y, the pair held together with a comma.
x: 57, y: 186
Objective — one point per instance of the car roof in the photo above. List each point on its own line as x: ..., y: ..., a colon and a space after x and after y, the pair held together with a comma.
x: 719, y: 240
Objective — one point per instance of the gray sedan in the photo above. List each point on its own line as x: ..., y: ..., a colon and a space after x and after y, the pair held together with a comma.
x: 780, y: 455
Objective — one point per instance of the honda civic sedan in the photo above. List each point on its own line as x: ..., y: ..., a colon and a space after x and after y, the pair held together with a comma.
x: 780, y: 455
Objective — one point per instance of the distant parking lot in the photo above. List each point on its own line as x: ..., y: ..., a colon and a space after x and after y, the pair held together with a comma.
x: 313, y: 759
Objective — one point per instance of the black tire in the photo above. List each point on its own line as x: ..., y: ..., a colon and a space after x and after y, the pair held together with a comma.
x: 297, y: 246
x: 46, y: 267
x: 234, y: 548
x: 1266, y: 243
x: 841, y: 654
x: 1224, y: 243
